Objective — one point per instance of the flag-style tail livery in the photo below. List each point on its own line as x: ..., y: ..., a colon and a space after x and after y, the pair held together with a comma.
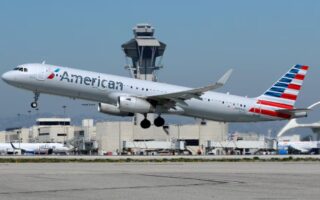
x: 283, y: 94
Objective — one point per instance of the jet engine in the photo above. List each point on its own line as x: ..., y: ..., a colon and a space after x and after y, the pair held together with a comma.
x: 112, y: 110
x: 134, y: 105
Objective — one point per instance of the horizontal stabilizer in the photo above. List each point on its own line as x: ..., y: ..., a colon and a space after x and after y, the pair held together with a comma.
x: 295, y: 113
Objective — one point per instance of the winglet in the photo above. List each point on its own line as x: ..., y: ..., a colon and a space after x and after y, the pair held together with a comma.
x: 225, y: 77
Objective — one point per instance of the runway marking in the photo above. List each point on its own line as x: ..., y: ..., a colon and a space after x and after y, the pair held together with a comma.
x: 108, y: 188
x: 196, y: 179
x: 204, y: 183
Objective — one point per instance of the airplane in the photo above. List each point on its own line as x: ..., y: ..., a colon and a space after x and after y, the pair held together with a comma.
x: 124, y: 96
x: 300, y: 146
x: 34, y: 148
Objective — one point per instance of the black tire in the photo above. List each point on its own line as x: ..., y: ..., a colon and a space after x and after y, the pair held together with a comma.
x: 159, y: 121
x: 34, y: 105
x: 145, y: 124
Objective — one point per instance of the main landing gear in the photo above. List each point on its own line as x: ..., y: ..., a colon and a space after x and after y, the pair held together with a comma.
x: 158, y: 122
x: 145, y: 123
x: 36, y: 98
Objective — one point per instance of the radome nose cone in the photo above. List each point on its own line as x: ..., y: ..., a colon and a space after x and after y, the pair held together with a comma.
x: 7, y: 77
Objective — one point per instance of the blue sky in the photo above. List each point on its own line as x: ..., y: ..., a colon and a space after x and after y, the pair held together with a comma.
x: 260, y: 40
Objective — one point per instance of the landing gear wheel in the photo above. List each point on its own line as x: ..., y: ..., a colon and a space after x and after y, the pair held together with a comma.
x: 159, y: 121
x: 34, y: 104
x: 36, y: 97
x: 145, y: 124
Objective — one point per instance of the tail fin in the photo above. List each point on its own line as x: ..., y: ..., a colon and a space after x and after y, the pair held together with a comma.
x: 283, y: 93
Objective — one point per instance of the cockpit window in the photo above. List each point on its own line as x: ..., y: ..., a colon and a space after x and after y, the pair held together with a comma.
x: 21, y: 69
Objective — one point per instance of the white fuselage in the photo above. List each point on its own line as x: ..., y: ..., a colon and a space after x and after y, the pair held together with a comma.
x: 105, y: 88
x: 34, y: 147
x: 303, y: 146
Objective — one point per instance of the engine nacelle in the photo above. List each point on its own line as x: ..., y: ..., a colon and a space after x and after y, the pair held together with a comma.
x: 112, y: 110
x: 134, y: 105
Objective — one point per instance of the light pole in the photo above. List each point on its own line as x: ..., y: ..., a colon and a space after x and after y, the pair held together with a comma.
x: 120, y: 148
x: 64, y: 110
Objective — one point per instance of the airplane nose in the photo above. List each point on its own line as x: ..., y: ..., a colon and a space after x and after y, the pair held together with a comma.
x: 7, y: 77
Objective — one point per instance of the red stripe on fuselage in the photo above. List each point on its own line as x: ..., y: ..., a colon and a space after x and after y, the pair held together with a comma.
x: 275, y: 104
x: 270, y: 113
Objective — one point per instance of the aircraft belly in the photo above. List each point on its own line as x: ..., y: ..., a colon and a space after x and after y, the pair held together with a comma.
x: 219, y: 113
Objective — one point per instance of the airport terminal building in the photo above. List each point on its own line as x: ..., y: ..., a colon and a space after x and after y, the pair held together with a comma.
x: 123, y: 137
x: 126, y: 138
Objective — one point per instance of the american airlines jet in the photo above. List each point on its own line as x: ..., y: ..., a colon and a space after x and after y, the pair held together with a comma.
x: 123, y: 96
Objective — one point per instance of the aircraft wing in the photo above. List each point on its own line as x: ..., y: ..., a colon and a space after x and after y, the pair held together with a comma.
x: 193, y: 93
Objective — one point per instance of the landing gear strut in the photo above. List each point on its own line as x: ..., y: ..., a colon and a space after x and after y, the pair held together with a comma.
x: 145, y: 123
x: 36, y: 98
x: 159, y: 121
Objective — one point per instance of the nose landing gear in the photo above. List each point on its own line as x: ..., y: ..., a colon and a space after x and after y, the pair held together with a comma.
x: 36, y: 98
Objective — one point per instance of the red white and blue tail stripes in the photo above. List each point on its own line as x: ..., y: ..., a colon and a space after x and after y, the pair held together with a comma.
x: 283, y: 94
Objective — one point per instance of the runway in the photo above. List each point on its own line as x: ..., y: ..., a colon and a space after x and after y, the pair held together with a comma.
x: 209, y: 180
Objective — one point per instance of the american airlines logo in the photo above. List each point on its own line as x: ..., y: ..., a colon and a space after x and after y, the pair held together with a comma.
x: 52, y: 75
x: 91, y: 81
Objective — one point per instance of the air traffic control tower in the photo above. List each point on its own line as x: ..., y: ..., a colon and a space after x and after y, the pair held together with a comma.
x: 144, y: 51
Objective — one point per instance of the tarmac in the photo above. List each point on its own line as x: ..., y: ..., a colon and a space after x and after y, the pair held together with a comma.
x: 148, y: 158
x: 170, y: 180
